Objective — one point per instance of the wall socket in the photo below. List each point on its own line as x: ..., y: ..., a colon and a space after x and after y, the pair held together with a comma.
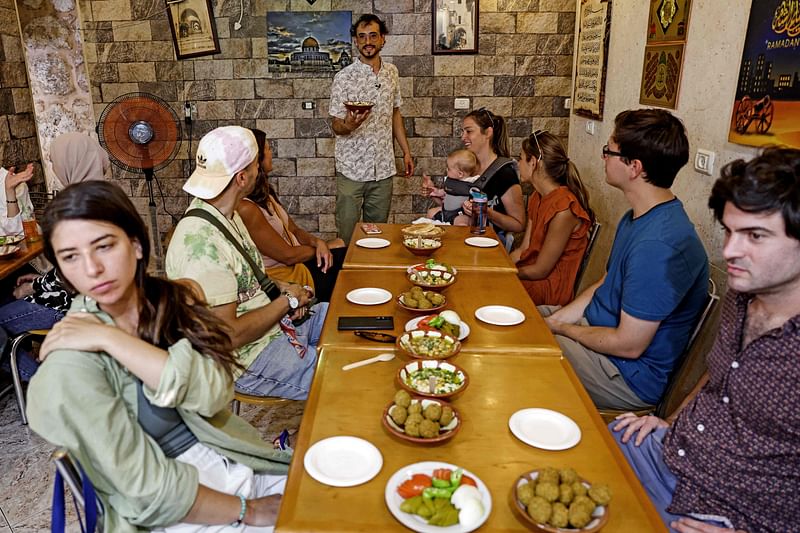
x: 461, y: 103
x: 704, y: 161
x: 308, y: 104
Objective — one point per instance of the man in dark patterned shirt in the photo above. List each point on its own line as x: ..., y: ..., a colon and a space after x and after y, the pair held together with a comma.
x: 731, y: 457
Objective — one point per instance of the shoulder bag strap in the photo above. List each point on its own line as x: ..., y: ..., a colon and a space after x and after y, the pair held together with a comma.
x: 267, y: 285
x: 496, y: 165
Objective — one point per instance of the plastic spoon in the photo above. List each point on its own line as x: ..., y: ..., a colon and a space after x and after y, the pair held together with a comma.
x: 381, y: 357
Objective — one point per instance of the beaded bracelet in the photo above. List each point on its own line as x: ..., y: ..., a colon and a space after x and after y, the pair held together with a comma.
x: 11, y: 201
x: 242, y: 511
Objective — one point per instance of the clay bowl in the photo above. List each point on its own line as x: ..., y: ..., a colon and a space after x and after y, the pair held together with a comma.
x: 421, y: 388
x: 429, y: 310
x: 404, y: 345
x: 8, y: 249
x: 435, y: 280
x: 358, y: 107
x: 422, y: 246
x: 445, y: 433
x: 599, y: 516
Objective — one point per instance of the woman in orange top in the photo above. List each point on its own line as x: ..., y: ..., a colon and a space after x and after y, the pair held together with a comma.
x: 559, y: 219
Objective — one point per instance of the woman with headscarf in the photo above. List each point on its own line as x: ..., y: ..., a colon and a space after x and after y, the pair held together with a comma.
x: 41, y: 300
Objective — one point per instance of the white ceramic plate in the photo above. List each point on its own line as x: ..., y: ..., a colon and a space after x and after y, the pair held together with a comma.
x: 343, y: 461
x: 417, y: 523
x: 481, y: 242
x: 545, y: 429
x: 11, y: 239
x: 463, y: 331
x: 369, y: 296
x: 500, y: 315
x: 372, y: 242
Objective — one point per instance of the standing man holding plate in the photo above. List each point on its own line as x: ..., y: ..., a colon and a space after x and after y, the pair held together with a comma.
x: 364, y: 137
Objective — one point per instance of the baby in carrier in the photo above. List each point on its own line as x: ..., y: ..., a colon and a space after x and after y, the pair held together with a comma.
x: 462, y: 172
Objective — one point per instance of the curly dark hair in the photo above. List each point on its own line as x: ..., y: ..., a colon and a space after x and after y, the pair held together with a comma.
x: 769, y: 183
x: 368, y: 18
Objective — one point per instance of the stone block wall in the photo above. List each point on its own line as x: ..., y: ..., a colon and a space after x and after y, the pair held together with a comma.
x: 523, y: 71
x: 18, y: 142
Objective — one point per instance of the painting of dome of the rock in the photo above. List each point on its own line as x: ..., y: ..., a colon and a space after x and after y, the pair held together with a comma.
x: 311, y: 41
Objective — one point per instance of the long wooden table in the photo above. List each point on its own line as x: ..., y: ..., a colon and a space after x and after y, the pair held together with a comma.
x: 471, y: 291
x: 351, y: 403
x: 27, y: 251
x: 453, y: 251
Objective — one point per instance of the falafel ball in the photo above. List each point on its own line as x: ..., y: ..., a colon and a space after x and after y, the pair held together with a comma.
x: 414, y: 408
x: 579, y: 516
x: 565, y: 494
x: 422, y: 303
x: 433, y: 411
x: 410, y: 301
x: 568, y: 475
x: 428, y: 429
x: 398, y: 414
x: 547, y: 490
x: 412, y: 425
x: 560, y: 515
x: 548, y: 474
x: 435, y: 298
x: 402, y: 398
x: 447, y: 415
x: 524, y: 493
x: 579, y: 489
x: 601, y: 494
x: 585, y: 502
x: 539, y: 509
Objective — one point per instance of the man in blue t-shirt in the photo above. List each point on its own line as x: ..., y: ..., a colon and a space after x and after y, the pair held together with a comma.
x: 624, y: 334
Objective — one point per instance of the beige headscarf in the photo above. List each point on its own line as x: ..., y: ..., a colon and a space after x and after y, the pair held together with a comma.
x: 77, y: 157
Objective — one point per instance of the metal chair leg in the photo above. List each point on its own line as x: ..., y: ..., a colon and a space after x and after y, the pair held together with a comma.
x: 20, y: 394
x: 235, y: 405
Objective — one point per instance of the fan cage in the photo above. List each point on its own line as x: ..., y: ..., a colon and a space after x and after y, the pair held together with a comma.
x: 116, y: 120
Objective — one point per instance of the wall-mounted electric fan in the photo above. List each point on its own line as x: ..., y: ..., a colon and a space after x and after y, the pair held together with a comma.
x: 141, y: 133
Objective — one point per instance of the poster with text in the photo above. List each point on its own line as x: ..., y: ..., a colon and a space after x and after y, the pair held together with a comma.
x: 590, y: 67
x: 767, y: 105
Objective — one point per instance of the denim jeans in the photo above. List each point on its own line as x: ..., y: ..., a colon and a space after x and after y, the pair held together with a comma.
x: 18, y: 317
x: 278, y: 370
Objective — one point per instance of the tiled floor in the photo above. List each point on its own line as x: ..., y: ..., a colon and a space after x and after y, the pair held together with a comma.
x: 26, y: 474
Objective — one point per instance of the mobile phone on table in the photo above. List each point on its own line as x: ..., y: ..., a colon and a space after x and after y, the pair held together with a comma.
x: 365, y: 322
x: 371, y: 229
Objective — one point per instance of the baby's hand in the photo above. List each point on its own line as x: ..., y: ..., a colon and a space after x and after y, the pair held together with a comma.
x: 427, y: 185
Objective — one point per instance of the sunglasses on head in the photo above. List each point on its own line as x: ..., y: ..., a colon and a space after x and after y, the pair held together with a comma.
x: 535, y: 136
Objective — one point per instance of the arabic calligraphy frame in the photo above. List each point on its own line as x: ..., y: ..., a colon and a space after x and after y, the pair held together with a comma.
x: 679, y: 26
x: 592, y: 112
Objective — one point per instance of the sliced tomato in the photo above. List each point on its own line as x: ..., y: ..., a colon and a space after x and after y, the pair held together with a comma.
x: 442, y: 473
x: 414, y: 486
x: 424, y: 324
x: 466, y: 480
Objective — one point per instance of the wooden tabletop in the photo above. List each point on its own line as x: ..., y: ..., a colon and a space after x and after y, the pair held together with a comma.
x: 453, y: 251
x: 470, y: 291
x: 351, y: 403
x: 27, y: 251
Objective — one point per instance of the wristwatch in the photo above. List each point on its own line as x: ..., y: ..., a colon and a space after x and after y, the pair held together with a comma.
x: 294, y: 303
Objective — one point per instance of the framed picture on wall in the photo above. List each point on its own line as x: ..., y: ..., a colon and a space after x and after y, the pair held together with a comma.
x: 194, y: 31
x: 661, y: 76
x: 668, y: 20
x: 594, y: 19
x: 454, y: 27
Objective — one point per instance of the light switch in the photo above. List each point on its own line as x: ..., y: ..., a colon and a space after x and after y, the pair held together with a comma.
x: 704, y: 161
x: 308, y: 104
x: 590, y: 127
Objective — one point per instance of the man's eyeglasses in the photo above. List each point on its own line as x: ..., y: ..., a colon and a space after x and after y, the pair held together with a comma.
x: 609, y: 153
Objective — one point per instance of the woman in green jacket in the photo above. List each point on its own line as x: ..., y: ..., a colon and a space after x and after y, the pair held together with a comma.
x: 137, y: 379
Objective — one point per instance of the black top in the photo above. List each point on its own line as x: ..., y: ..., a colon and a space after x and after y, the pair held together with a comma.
x: 499, y: 184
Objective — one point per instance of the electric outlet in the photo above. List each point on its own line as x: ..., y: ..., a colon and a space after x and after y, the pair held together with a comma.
x: 308, y: 104
x: 568, y: 103
x: 461, y: 103
x: 590, y: 124
x: 704, y: 161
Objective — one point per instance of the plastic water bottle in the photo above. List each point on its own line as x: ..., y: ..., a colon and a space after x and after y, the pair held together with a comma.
x: 480, y: 213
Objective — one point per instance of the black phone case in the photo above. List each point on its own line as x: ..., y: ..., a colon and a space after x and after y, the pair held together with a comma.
x: 365, y: 322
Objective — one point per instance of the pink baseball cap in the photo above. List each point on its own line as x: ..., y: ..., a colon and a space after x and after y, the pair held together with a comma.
x: 221, y: 153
